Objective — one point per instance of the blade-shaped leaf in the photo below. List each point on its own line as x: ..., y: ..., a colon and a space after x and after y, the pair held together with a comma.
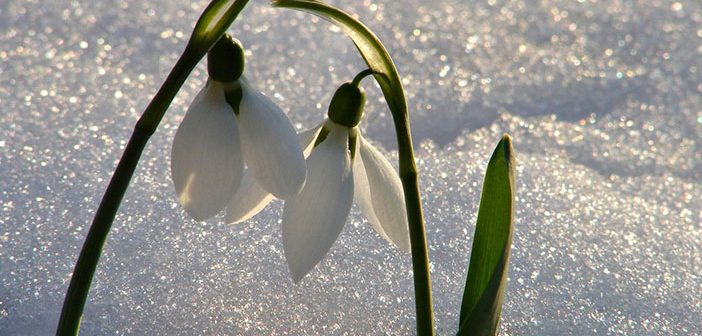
x: 489, y: 260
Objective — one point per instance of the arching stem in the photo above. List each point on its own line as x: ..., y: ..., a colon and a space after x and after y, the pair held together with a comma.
x: 212, y: 23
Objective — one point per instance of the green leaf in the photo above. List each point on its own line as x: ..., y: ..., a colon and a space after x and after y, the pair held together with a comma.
x: 213, y: 22
x: 489, y: 260
x: 370, y: 47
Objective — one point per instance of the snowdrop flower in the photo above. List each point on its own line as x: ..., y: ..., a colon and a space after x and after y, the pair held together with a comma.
x: 230, y: 126
x: 341, y: 168
x: 250, y: 198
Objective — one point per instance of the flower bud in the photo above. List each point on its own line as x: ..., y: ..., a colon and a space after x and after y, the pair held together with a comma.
x: 225, y: 61
x: 346, y: 107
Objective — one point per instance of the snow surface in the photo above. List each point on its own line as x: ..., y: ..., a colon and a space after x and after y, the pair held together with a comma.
x: 603, y: 100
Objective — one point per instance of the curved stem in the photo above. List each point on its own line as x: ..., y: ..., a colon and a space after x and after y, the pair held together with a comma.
x: 420, y: 255
x: 361, y: 75
x: 209, y: 28
x: 377, y: 58
x: 409, y: 177
x: 72, y: 311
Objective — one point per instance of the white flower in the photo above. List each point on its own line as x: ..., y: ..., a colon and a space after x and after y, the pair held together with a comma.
x: 213, y: 144
x: 251, y: 198
x: 336, y: 176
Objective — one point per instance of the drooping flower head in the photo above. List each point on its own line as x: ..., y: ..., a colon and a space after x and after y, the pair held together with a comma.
x: 341, y: 168
x: 232, y: 135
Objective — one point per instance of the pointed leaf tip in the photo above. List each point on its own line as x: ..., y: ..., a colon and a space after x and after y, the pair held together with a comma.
x: 506, y: 143
x: 489, y: 261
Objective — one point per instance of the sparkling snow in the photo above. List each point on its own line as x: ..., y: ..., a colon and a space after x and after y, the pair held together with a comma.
x: 603, y: 100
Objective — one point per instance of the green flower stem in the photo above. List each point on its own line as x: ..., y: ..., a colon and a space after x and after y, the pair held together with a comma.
x: 361, y: 75
x: 410, y: 184
x: 377, y: 58
x: 72, y: 312
x: 420, y: 256
x: 212, y: 24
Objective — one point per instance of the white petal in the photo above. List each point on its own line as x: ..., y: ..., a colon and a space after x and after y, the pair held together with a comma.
x: 313, y: 219
x: 380, y: 195
x: 270, y: 145
x: 250, y: 198
x: 307, y: 139
x: 361, y: 193
x: 206, y: 160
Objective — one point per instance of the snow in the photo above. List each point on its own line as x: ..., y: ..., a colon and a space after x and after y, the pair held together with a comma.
x: 603, y: 100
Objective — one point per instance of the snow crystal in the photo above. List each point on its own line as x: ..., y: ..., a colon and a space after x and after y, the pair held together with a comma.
x: 602, y: 98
